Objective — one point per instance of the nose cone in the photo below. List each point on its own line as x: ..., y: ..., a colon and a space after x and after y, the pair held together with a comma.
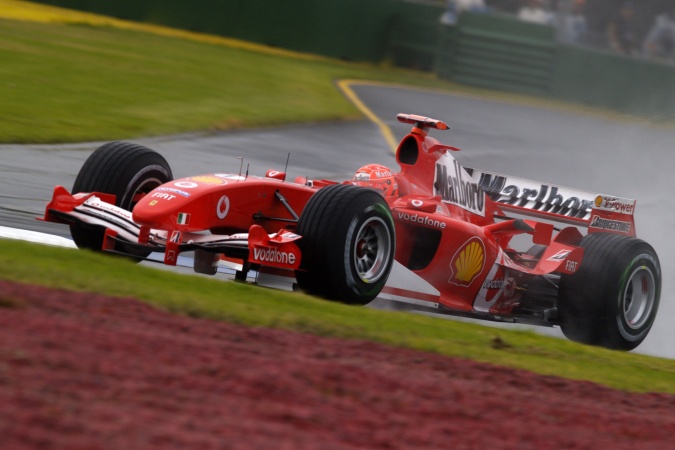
x: 157, y: 208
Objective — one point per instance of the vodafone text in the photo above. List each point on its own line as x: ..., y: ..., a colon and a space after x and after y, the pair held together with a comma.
x: 272, y: 255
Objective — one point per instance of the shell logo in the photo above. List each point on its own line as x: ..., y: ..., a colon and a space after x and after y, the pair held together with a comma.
x: 468, y: 262
x: 207, y: 179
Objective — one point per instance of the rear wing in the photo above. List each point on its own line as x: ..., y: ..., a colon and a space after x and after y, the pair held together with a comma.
x: 597, y: 212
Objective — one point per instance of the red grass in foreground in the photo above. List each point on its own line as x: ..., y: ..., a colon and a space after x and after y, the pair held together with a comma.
x: 83, y: 371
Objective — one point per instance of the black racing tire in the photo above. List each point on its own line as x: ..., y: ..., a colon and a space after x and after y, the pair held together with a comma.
x: 127, y: 171
x: 348, y: 244
x: 613, y: 298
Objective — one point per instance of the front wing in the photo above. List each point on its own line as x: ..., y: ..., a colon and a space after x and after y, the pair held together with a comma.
x: 123, y: 235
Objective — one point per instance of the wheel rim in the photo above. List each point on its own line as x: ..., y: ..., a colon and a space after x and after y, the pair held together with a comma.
x: 639, y: 297
x: 372, y: 250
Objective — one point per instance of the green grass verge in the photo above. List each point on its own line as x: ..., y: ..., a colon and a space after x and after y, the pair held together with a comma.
x: 77, y: 82
x: 254, y: 306
x: 72, y: 82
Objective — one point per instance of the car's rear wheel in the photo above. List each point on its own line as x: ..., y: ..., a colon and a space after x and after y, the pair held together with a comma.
x: 612, y: 300
x: 348, y: 244
x: 127, y: 171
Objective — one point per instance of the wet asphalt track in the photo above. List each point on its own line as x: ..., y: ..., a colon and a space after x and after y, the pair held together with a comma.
x: 588, y: 153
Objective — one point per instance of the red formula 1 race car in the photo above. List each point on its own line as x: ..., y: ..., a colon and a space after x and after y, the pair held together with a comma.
x: 434, y: 234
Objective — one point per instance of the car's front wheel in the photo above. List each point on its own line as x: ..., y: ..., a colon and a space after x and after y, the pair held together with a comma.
x: 348, y: 244
x: 127, y: 171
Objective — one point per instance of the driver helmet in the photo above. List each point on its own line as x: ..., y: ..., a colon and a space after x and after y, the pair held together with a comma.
x: 377, y: 177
